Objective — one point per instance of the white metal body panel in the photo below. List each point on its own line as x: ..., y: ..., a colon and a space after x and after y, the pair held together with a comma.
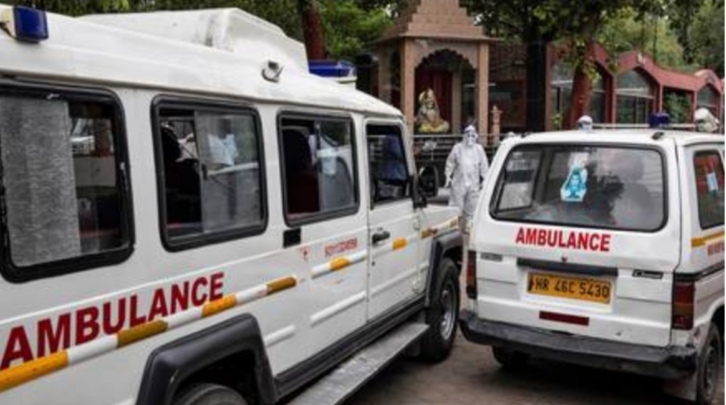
x: 640, y: 308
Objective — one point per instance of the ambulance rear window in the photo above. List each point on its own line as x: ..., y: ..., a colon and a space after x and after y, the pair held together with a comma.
x: 585, y: 186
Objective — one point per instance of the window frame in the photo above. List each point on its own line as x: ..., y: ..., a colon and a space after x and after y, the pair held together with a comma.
x: 199, y: 104
x: 410, y: 176
x: 613, y: 145
x: 696, y: 154
x: 22, y: 274
x: 316, y: 116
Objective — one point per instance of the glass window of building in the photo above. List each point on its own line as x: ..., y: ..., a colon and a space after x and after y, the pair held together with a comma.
x: 708, y: 97
x: 634, y: 98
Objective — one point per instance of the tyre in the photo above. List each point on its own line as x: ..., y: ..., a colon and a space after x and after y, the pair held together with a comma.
x: 709, y: 365
x: 442, y: 315
x: 209, y: 394
x: 510, y: 360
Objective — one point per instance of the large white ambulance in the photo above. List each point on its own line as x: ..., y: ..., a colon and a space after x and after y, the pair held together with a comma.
x: 609, y: 253
x: 189, y: 217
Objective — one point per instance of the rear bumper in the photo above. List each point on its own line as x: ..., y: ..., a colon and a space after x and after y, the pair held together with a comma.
x: 672, y: 362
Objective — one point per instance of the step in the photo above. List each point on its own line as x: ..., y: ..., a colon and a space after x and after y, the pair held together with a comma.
x: 338, y: 385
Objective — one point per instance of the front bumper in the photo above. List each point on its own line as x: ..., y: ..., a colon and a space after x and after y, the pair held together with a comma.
x: 671, y: 362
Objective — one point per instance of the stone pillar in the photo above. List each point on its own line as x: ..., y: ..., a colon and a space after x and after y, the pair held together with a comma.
x: 496, y: 130
x: 456, y: 103
x: 408, y: 83
x: 482, y: 92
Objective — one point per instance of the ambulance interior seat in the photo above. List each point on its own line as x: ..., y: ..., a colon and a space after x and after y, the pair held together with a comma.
x: 301, y: 180
x: 181, y: 180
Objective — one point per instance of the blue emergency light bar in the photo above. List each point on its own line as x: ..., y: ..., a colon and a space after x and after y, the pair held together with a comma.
x: 331, y: 68
x: 659, y: 120
x: 25, y: 23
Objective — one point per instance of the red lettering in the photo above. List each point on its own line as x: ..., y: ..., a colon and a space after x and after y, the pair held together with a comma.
x: 583, y: 240
x: 51, y: 339
x: 572, y: 241
x: 552, y: 238
x: 109, y: 327
x: 87, y: 327
x: 17, y: 348
x: 158, y: 305
x: 199, y: 298
x: 520, y: 236
x: 179, y: 297
x: 542, y: 237
x: 134, y: 317
x: 215, y: 286
x: 531, y: 237
x: 595, y: 242
x: 605, y: 242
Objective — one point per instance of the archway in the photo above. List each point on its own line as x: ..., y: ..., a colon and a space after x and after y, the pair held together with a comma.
x: 448, y: 73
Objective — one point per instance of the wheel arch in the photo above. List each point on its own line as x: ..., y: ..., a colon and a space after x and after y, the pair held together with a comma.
x: 446, y: 246
x: 217, y: 352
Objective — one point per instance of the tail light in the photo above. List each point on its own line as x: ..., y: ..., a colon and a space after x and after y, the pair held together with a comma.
x: 471, y: 274
x: 683, y: 301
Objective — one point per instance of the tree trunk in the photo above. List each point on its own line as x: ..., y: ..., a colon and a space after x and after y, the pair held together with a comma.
x: 581, y: 91
x: 312, y: 29
x: 536, y: 85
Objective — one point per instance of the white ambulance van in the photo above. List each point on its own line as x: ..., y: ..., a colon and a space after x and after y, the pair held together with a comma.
x: 189, y: 217
x: 609, y: 253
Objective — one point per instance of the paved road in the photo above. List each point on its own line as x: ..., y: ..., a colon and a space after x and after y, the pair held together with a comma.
x: 471, y: 376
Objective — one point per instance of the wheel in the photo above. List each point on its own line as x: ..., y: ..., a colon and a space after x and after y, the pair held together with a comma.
x: 209, y: 394
x: 709, y: 364
x: 509, y: 359
x: 442, y: 315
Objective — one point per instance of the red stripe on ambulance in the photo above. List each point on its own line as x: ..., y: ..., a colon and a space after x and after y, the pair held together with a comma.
x: 557, y: 238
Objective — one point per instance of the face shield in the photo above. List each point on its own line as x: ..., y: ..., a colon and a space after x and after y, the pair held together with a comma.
x: 470, y: 137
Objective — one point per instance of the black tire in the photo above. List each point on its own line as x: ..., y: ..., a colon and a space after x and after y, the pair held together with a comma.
x: 209, y: 394
x: 510, y: 360
x: 709, y: 367
x: 442, y: 315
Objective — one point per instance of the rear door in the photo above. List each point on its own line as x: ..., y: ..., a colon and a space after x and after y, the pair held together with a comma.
x: 392, y: 220
x: 583, y: 239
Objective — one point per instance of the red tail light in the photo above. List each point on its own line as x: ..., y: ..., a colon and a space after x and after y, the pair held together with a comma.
x: 471, y: 274
x: 684, y: 293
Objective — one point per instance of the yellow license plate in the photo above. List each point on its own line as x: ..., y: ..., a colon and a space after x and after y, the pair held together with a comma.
x: 576, y: 288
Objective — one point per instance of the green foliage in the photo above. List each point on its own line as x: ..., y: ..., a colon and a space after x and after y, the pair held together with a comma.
x: 707, y: 37
x: 77, y: 7
x: 678, y: 107
x: 349, y: 29
x: 649, y: 33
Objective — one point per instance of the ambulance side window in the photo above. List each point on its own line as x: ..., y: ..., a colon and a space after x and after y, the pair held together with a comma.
x: 64, y: 179
x: 389, y: 177
x: 318, y: 163
x: 708, y: 169
x: 211, y: 186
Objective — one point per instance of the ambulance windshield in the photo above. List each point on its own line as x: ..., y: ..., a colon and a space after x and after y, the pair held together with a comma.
x: 599, y: 187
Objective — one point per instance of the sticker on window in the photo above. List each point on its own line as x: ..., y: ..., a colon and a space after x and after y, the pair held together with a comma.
x: 575, y: 186
x: 712, y: 181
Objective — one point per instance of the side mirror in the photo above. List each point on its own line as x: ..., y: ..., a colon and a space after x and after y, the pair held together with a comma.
x: 428, y: 181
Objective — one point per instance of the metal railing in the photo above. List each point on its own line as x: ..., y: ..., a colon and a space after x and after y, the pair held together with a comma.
x: 433, y: 150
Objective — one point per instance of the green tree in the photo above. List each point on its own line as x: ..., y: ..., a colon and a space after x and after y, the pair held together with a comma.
x: 350, y: 29
x: 655, y: 35
x: 678, y: 107
x: 707, y: 37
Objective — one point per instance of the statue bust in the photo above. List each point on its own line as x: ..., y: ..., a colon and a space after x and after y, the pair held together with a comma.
x: 428, y: 120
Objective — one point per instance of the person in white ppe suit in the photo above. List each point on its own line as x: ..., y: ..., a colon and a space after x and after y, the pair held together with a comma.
x: 466, y: 168
x: 585, y: 123
x: 705, y: 121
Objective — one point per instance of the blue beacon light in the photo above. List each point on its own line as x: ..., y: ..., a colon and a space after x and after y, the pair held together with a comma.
x: 25, y: 23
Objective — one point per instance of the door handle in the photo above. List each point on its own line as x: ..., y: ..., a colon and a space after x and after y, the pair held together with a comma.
x: 380, y: 236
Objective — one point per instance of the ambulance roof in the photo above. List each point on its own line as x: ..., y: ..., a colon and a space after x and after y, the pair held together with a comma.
x: 628, y: 136
x: 216, y: 52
